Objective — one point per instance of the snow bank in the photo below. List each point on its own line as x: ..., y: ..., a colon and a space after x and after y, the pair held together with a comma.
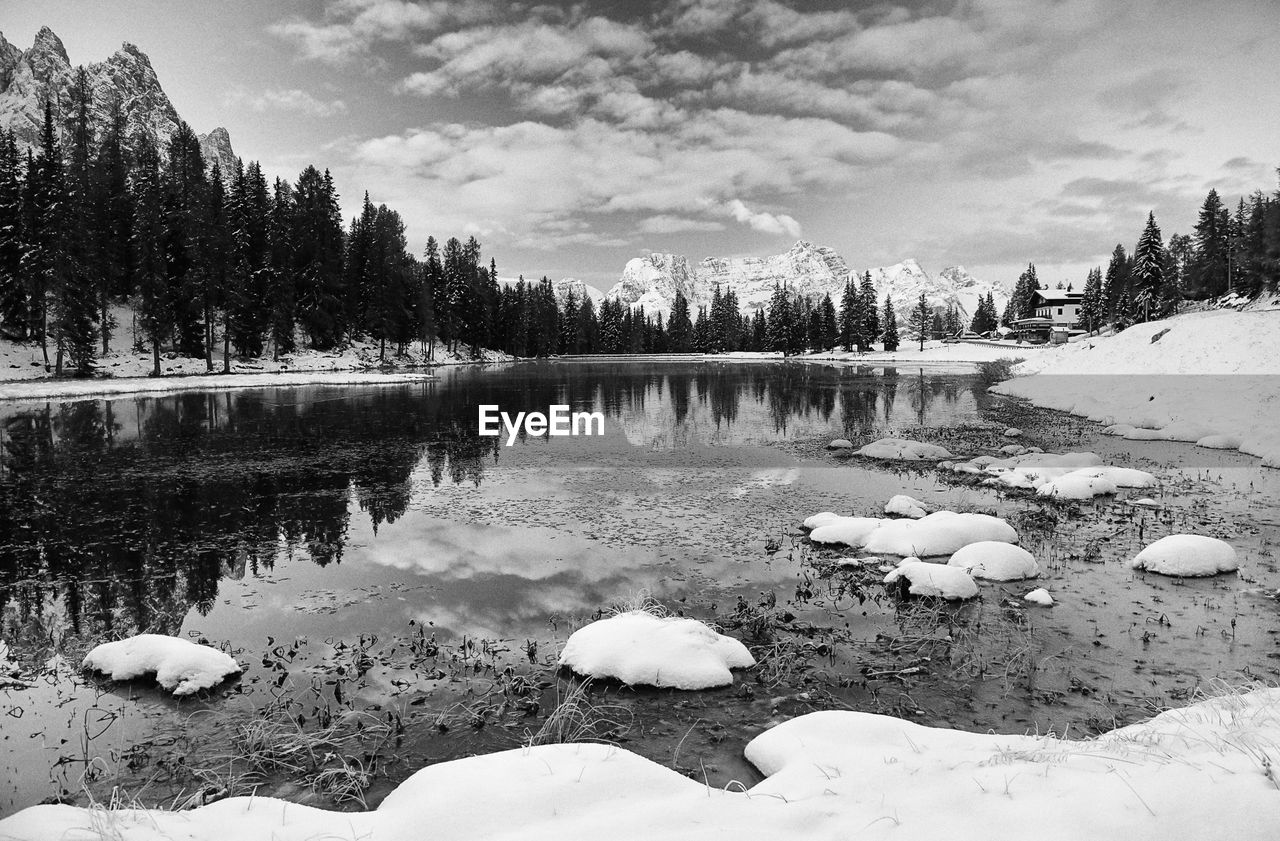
x: 903, y: 449
x: 840, y: 444
x: 1065, y: 475
x: 1039, y: 596
x: 180, y: 666
x: 827, y: 774
x: 76, y: 389
x: 1076, y: 485
x: 995, y: 561
x: 641, y: 649
x: 1188, y: 556
x: 938, y: 580
x: 1210, y: 375
x: 939, y: 533
x: 905, y: 506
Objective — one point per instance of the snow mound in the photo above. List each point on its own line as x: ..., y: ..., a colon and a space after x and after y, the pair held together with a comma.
x: 1013, y: 432
x: 1220, y: 442
x: 902, y: 449
x: 940, y: 533
x: 1039, y: 596
x: 995, y: 561
x: 938, y: 580
x: 641, y: 649
x: 1077, y: 485
x: 840, y: 444
x: 905, y: 506
x: 1187, y: 556
x: 180, y: 666
x: 820, y: 519
x: 850, y: 531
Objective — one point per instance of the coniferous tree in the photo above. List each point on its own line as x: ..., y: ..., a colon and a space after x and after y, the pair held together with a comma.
x: 215, y: 257
x: 1209, y: 274
x: 185, y: 204
x: 14, y: 316
x: 779, y: 321
x: 433, y: 273
x: 890, y: 320
x: 1092, y: 305
x: 871, y: 329
x: 828, y: 331
x: 76, y: 299
x: 249, y: 313
x: 569, y: 324
x: 318, y: 275
x: 282, y: 288
x: 679, y: 326
x: 1025, y: 292
x: 1148, y: 271
x: 920, y: 321
x: 154, y: 301
x: 851, y: 317
x: 1115, y: 285
x: 45, y: 264
x: 113, y: 231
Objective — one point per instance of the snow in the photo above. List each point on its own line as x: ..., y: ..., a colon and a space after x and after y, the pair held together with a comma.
x: 995, y: 561
x: 840, y: 444
x: 937, y: 580
x: 22, y: 373
x: 1013, y: 432
x: 827, y: 774
x: 641, y: 649
x: 1078, y: 486
x: 851, y: 531
x: 1203, y: 376
x: 1187, y: 556
x: 903, y: 449
x: 905, y: 506
x: 1039, y: 596
x: 939, y: 533
x: 180, y: 666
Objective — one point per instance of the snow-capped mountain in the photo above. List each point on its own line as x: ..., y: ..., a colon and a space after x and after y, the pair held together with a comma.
x: 807, y: 269
x: 581, y: 291
x: 653, y: 281
x: 30, y: 77
x: 952, y: 287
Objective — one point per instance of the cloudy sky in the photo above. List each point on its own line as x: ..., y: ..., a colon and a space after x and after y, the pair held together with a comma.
x: 571, y: 137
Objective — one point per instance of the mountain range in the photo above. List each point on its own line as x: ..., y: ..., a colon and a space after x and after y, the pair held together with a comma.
x: 29, y: 78
x: 807, y: 269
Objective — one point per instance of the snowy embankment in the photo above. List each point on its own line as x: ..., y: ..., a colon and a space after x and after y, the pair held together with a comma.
x: 23, y: 374
x: 1211, y: 378
x: 935, y: 352
x: 1199, y: 772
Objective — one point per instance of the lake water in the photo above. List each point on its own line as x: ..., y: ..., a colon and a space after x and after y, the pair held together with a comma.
x: 397, y: 582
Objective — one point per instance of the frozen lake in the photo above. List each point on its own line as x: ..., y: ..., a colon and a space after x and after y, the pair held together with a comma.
x: 392, y: 579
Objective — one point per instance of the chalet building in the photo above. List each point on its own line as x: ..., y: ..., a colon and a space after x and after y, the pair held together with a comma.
x: 1057, y: 314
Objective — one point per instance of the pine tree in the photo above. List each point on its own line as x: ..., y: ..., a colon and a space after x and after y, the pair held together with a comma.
x: 679, y: 325
x: 45, y: 264
x: 76, y: 299
x: 319, y: 277
x: 1209, y: 274
x: 890, y: 325
x: 952, y: 325
x: 115, y: 218
x: 828, y: 331
x: 185, y: 204
x: 851, y: 317
x: 780, y: 328
x: 14, y: 316
x: 920, y: 321
x: 1148, y: 271
x: 1092, y: 305
x: 154, y: 301
x: 433, y: 279
x: 1115, y: 285
x: 871, y: 329
x: 282, y: 288
x: 1025, y: 293
x: 215, y: 247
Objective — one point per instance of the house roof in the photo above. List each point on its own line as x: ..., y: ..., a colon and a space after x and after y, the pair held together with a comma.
x: 1058, y: 296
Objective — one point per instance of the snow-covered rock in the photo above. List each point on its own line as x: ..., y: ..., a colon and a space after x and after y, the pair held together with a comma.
x: 641, y: 649
x: 1220, y: 442
x: 995, y: 561
x: 1187, y: 556
x: 939, y: 533
x: 902, y: 449
x: 937, y: 580
x: 1013, y: 432
x: 28, y: 78
x: 1077, y: 485
x: 582, y: 291
x: 849, y: 531
x: 824, y: 772
x: 905, y: 506
x: 179, y: 665
x: 840, y: 444
x: 1039, y: 596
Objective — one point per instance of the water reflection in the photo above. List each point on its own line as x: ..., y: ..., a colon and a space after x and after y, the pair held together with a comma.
x: 121, y: 516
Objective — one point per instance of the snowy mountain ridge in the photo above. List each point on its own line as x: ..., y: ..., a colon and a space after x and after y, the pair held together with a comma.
x: 30, y: 77
x: 807, y: 269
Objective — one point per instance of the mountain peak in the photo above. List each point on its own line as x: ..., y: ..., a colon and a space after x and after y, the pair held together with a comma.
x: 47, y: 42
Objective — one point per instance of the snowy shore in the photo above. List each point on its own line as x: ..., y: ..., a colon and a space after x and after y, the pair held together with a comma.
x: 23, y: 375
x: 1211, y: 378
x: 1198, y: 772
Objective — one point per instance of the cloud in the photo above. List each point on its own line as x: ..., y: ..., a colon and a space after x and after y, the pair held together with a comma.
x: 667, y: 224
x: 350, y: 28
x: 766, y: 223
x: 286, y: 100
